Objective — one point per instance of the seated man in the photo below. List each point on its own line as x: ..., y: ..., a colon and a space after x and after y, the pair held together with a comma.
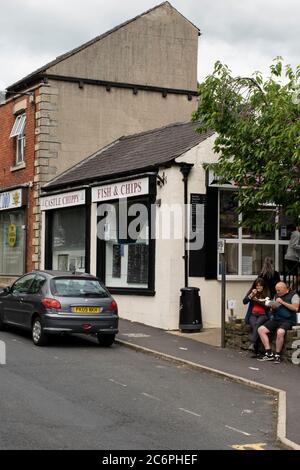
x: 282, y: 319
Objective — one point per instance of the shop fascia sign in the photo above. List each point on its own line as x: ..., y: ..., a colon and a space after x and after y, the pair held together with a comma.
x: 120, y: 190
x: 11, y: 199
x: 58, y: 201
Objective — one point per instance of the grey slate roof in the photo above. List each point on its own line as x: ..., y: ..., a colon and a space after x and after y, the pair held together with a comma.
x: 133, y: 154
x: 62, y: 57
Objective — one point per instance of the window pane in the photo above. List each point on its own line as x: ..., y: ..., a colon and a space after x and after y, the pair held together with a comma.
x: 231, y: 258
x: 65, y: 287
x: 127, y: 247
x: 228, y: 215
x: 12, y: 242
x: 286, y: 227
x: 37, y: 285
x: 18, y: 126
x: 282, y: 251
x: 22, y: 285
x: 253, y: 257
x: 269, y: 216
x: 20, y: 146
x: 68, y: 239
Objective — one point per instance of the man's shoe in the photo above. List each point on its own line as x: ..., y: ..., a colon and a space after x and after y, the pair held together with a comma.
x: 266, y: 357
x: 277, y: 359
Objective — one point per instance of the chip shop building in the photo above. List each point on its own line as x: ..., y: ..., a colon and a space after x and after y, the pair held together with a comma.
x: 125, y: 212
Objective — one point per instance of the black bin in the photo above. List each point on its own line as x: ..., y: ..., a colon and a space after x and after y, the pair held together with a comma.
x: 190, y: 316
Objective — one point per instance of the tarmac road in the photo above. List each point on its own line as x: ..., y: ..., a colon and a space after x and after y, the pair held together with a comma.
x: 76, y: 395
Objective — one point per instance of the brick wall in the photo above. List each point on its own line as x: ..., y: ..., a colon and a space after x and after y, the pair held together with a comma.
x: 13, y: 177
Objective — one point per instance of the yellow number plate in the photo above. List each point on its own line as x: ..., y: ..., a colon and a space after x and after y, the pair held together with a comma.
x: 86, y: 309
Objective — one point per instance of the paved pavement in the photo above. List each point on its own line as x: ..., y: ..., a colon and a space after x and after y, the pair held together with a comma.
x: 284, y: 376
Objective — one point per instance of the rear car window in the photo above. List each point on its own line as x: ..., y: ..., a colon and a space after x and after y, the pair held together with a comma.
x: 67, y: 287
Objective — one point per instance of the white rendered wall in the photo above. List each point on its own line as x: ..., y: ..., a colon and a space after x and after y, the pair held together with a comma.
x: 162, y: 310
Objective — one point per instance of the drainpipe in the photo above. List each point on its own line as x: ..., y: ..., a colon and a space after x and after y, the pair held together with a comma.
x: 185, y: 169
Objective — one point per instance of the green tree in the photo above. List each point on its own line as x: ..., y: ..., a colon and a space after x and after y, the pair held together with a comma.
x: 257, y: 123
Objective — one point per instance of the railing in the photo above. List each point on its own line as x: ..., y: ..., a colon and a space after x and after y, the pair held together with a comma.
x: 292, y: 277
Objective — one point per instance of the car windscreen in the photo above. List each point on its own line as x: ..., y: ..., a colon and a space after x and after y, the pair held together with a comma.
x: 73, y: 287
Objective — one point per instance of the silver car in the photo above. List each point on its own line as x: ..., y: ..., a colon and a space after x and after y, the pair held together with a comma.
x: 53, y: 302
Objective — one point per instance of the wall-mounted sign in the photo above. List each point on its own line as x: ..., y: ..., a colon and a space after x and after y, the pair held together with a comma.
x: 221, y: 246
x: 12, y: 235
x: 215, y: 181
x: 58, y: 201
x: 121, y: 190
x: 11, y: 199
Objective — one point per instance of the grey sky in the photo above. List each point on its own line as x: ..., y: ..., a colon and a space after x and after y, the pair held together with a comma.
x: 245, y: 34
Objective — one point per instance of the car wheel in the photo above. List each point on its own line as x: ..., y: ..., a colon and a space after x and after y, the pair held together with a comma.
x: 105, y: 340
x: 38, y: 335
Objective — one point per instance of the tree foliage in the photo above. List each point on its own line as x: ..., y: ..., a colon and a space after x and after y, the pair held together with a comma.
x: 257, y: 122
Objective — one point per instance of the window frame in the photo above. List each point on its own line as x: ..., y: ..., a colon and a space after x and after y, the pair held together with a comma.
x: 101, y: 253
x: 21, y: 212
x: 18, y: 134
x: 275, y: 242
x: 49, y: 221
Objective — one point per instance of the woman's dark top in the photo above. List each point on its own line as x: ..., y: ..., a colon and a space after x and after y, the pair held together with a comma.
x: 271, y: 282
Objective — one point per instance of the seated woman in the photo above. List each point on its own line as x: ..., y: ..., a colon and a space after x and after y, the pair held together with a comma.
x: 257, y: 312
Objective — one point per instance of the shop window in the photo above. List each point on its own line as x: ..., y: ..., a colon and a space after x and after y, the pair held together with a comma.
x: 18, y: 133
x: 232, y: 258
x: 68, y: 239
x: 228, y: 215
x: 12, y: 242
x: 127, y: 248
x: 245, y: 249
x: 253, y: 257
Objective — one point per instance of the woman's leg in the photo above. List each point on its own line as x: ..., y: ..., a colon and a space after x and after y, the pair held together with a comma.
x: 252, y: 323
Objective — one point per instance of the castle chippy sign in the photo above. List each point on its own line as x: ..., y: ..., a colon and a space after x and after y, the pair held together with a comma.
x: 10, y: 199
x: 58, y: 201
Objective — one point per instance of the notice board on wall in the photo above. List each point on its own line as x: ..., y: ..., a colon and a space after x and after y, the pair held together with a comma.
x: 137, y: 266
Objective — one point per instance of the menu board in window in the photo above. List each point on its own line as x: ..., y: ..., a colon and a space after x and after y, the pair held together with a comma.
x: 196, y: 237
x: 116, y: 260
x: 137, y: 268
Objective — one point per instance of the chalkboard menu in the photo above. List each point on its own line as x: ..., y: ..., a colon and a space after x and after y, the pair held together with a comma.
x: 197, y: 200
x: 137, y: 268
x: 116, y: 260
x: 196, y: 238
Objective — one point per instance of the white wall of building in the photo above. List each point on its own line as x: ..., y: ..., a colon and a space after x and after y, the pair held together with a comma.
x: 162, y: 310
x: 210, y: 290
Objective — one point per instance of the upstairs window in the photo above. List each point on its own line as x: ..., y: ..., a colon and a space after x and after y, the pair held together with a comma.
x: 18, y: 133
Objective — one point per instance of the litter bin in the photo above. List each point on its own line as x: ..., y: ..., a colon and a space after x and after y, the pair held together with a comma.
x: 190, y: 317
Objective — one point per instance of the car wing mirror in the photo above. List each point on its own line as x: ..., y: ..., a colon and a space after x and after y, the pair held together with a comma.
x: 6, y: 290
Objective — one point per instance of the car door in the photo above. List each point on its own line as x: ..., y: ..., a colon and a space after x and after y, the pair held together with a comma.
x: 32, y: 299
x: 13, y: 303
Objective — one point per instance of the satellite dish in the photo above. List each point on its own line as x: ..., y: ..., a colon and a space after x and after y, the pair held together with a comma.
x: 2, y: 96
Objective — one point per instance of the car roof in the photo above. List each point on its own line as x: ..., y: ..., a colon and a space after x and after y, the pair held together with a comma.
x: 54, y: 273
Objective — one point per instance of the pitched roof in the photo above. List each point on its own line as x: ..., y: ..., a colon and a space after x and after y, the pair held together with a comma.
x: 133, y: 154
x: 42, y: 70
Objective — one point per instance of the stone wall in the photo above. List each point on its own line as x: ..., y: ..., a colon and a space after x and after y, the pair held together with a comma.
x: 237, y: 337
